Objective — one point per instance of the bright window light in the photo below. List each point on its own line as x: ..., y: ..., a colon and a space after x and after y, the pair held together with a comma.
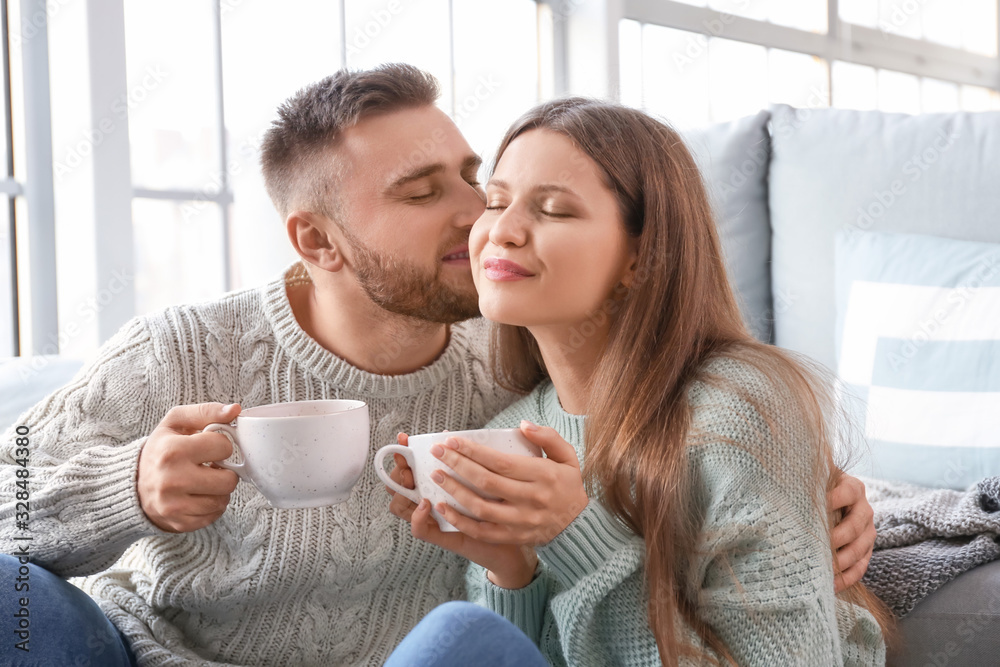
x: 938, y: 96
x: 178, y: 246
x: 171, y: 94
x: 496, y: 68
x: 630, y: 63
x: 967, y: 24
x: 675, y: 76
x: 738, y: 79
x: 898, y: 92
x: 975, y: 98
x: 6, y: 281
x: 860, y: 12
x: 854, y: 86
x: 417, y: 34
x: 259, y: 75
x: 808, y: 15
x: 797, y: 79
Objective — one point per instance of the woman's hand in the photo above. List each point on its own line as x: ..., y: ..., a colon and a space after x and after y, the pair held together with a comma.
x: 537, y: 497
x: 509, y: 566
x: 853, y: 538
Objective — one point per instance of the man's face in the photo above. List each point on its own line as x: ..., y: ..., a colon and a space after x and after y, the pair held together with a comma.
x: 409, y: 195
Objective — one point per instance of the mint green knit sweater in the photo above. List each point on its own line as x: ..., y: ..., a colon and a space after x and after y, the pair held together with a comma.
x: 762, y: 575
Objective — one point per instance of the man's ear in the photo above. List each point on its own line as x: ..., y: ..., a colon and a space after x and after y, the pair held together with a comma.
x: 315, y: 239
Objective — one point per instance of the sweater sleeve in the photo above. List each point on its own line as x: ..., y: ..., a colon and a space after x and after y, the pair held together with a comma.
x: 762, y: 573
x: 81, y: 452
x: 524, y: 607
x: 599, y: 609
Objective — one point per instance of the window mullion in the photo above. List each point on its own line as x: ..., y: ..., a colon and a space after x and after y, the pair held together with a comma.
x: 38, y: 177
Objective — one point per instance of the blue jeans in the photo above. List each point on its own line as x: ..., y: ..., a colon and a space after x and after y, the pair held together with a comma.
x: 59, y: 625
x: 459, y: 634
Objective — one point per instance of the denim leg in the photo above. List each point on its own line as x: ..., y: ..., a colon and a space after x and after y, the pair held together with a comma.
x: 59, y: 625
x: 459, y: 634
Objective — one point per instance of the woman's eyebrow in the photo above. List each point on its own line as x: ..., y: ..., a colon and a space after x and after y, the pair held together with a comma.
x: 545, y: 187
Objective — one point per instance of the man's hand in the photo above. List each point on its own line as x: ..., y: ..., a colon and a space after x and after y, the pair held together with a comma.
x: 853, y: 538
x: 176, y: 491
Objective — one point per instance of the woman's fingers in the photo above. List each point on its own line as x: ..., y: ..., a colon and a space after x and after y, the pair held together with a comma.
x: 486, y: 480
x: 852, y: 575
x: 849, y: 491
x: 850, y: 528
x: 477, y: 530
x: 424, y: 527
x: 511, y: 466
x: 486, y: 510
x: 556, y: 447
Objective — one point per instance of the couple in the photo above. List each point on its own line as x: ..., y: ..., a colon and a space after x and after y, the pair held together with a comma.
x: 697, y: 526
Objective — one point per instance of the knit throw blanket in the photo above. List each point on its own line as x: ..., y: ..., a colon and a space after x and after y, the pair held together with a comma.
x: 927, y: 537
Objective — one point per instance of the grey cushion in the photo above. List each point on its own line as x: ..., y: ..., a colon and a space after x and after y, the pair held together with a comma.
x: 733, y: 159
x: 957, y: 625
x: 25, y: 381
x: 935, y: 174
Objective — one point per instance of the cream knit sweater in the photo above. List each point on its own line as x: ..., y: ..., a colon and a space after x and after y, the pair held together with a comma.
x: 337, y: 585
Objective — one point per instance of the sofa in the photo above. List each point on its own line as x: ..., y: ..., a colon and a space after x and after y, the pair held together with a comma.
x: 783, y: 183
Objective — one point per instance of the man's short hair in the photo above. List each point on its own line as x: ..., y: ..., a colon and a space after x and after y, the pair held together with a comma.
x: 299, y: 169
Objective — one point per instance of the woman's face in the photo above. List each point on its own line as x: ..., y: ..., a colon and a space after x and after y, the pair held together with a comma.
x: 551, y: 247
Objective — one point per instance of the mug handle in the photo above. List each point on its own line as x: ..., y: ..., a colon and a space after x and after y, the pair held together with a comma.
x: 407, y: 454
x: 229, y: 432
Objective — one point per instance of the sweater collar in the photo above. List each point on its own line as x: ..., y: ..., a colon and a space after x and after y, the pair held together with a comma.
x: 327, y: 366
x: 569, y: 426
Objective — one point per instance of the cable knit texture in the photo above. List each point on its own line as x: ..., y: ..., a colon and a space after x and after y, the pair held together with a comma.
x: 338, y: 585
x: 762, y: 574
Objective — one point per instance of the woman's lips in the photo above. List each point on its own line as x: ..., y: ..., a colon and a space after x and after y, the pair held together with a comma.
x: 504, y: 270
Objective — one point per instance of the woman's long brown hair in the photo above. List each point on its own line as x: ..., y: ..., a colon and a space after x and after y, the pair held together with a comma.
x: 678, y: 313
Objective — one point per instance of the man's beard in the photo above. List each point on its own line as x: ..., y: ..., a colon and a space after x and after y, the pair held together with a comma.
x: 405, y: 289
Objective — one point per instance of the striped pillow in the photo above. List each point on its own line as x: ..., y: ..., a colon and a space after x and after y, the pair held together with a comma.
x: 918, y: 341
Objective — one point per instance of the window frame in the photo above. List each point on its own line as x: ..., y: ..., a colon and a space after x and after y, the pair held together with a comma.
x: 843, y: 41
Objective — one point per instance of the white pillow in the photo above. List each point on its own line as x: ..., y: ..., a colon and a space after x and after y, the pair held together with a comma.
x: 918, y: 341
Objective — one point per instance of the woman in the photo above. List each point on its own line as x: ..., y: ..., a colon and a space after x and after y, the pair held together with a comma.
x: 697, y: 529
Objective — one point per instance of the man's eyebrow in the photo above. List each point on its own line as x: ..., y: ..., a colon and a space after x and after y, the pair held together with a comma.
x: 416, y: 175
x: 472, y: 162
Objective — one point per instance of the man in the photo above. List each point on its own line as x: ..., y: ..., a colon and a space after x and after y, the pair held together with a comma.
x: 378, y: 191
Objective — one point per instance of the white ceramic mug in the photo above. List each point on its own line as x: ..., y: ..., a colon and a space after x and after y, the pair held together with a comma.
x: 300, y: 454
x: 418, y: 456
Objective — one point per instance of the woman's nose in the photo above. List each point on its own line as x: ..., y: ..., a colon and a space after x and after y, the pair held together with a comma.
x: 509, y: 229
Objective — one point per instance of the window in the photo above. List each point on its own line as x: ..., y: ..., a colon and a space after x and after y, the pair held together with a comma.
x: 196, y: 83
x: 691, y: 79
x: 9, y: 188
x: 203, y: 202
x: 701, y: 61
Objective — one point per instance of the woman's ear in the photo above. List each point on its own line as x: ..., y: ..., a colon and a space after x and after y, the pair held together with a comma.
x: 315, y: 239
x: 632, y: 265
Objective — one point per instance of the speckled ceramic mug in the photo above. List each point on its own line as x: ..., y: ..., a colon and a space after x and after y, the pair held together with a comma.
x: 300, y: 454
x: 418, y: 456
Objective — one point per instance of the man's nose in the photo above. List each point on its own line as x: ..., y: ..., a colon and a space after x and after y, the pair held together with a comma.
x: 471, y: 207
